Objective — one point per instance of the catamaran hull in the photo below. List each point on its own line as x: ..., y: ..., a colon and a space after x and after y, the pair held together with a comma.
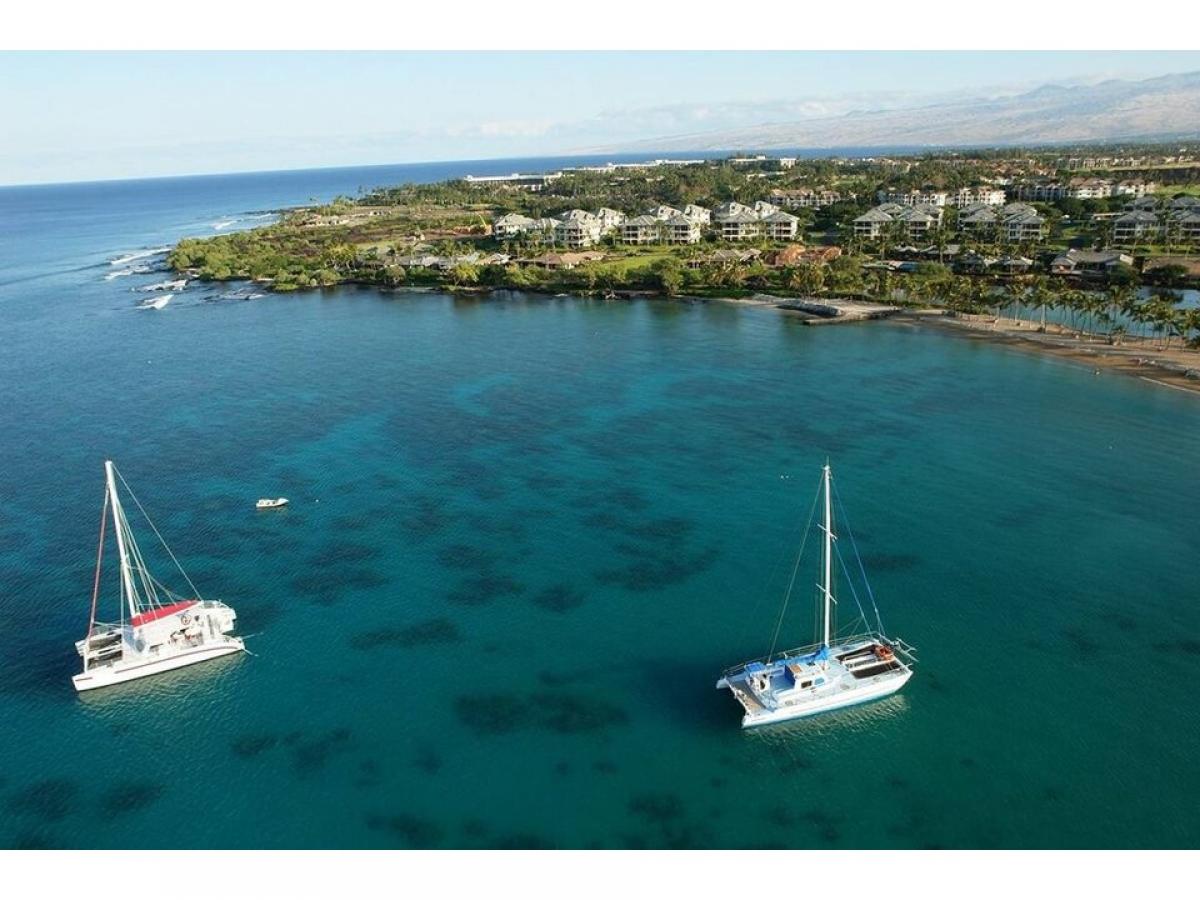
x: 838, y: 700
x: 106, y: 676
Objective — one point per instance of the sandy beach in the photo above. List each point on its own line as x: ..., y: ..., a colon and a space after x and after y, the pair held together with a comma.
x: 1176, y: 367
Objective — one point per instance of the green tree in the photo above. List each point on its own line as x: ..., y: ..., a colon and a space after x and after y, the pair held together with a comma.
x: 464, y: 274
x: 668, y: 275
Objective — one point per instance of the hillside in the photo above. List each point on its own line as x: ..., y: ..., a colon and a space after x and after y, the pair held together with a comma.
x: 1167, y: 107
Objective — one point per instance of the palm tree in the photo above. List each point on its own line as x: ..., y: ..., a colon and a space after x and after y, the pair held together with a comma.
x: 1119, y: 297
x: 1040, y: 294
x: 1191, y: 322
x: 1165, y: 314
x: 1074, y: 300
x: 1005, y: 298
x: 885, y: 284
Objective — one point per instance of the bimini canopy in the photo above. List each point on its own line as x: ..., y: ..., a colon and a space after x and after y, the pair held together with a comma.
x: 161, y: 613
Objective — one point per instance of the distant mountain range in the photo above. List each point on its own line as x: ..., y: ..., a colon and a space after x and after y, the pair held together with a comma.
x: 1163, y: 108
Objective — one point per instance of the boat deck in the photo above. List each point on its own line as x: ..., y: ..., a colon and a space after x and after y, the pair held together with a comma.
x: 889, y: 665
x: 794, y: 686
x: 749, y: 701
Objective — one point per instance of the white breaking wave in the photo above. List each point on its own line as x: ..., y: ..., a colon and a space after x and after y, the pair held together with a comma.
x: 135, y: 270
x: 165, y: 286
x: 156, y: 302
x: 219, y: 226
x: 138, y: 254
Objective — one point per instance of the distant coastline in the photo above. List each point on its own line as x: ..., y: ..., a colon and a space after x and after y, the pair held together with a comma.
x: 946, y: 245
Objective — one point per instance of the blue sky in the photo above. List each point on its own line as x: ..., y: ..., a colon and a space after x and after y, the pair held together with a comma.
x: 82, y: 116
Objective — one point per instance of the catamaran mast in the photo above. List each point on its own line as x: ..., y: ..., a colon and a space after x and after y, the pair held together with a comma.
x: 126, y: 572
x: 827, y: 586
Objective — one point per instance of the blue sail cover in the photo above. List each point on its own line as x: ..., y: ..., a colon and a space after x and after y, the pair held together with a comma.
x: 819, y: 656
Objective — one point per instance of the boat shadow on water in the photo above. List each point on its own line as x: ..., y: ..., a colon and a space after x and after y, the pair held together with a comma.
x: 861, y: 717
x: 178, y: 686
x: 694, y: 708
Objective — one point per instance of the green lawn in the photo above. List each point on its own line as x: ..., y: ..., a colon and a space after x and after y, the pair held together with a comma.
x: 624, y: 264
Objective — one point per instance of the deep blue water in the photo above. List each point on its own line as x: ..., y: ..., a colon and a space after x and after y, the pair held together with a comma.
x: 527, y: 533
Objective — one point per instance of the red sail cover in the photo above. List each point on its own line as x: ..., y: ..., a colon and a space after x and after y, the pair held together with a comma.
x: 160, y: 613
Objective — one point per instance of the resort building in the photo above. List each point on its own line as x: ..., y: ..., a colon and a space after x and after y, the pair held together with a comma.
x: 804, y: 198
x: 762, y: 208
x: 562, y: 260
x: 698, y: 214
x: 1135, y: 188
x: 888, y: 218
x: 1013, y: 265
x: 1089, y: 188
x: 1020, y: 223
x: 515, y: 180
x: 662, y: 213
x: 1089, y: 263
x: 788, y: 256
x: 1015, y: 222
x: 1039, y: 190
x: 978, y: 219
x: 610, y: 219
x: 736, y: 222
x: 418, y: 261
x: 739, y: 226
x: 577, y: 228
x: 729, y: 208
x: 681, y: 229
x: 983, y: 195
x: 781, y: 226
x: 821, y: 255
x: 919, y: 220
x: 872, y: 224
x: 1135, y: 226
x: 925, y: 197
x: 1183, y: 219
x: 511, y: 225
x: 641, y: 230
x: 724, y: 257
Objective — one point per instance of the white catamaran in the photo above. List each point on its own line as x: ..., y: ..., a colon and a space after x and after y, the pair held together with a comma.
x: 825, y: 675
x: 164, y: 631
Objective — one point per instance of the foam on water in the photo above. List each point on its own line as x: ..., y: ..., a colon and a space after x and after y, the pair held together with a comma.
x: 138, y: 254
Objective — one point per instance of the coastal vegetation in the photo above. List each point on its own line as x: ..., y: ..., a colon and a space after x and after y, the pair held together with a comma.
x: 440, y: 235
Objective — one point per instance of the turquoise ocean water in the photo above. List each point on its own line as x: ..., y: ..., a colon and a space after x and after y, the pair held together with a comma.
x: 527, y: 533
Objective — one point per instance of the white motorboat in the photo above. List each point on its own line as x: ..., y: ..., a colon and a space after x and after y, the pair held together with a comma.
x: 831, y: 674
x: 267, y: 503
x: 164, y: 630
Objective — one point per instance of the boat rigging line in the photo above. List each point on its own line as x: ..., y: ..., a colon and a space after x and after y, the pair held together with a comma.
x: 149, y: 521
x: 795, y: 568
x: 858, y: 558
